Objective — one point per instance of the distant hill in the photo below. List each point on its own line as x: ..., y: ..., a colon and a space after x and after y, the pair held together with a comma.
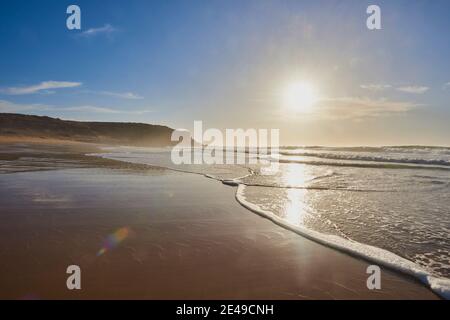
x: 136, y: 134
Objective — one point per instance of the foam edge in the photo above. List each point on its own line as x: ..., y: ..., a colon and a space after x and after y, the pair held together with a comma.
x: 440, y: 286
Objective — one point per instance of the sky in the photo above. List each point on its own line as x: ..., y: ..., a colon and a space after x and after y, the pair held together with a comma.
x: 228, y: 63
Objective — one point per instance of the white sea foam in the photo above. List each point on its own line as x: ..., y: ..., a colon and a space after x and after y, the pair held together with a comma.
x: 380, y: 256
x: 440, y: 286
x: 387, y: 155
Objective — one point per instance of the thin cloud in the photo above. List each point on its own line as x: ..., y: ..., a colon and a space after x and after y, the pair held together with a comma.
x: 123, y: 95
x: 361, y: 107
x: 41, y: 87
x: 107, y: 29
x: 11, y: 107
x: 376, y: 87
x: 90, y: 109
x: 447, y: 86
x: 414, y: 89
x: 96, y: 109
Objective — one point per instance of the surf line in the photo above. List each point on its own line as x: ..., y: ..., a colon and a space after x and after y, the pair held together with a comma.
x: 440, y: 286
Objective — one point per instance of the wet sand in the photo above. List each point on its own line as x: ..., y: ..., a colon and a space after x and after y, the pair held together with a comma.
x: 187, y: 238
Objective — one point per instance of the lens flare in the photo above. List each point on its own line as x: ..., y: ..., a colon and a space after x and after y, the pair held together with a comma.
x: 114, y: 239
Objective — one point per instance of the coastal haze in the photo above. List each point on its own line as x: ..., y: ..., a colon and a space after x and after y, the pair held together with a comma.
x: 362, y: 170
x: 26, y: 127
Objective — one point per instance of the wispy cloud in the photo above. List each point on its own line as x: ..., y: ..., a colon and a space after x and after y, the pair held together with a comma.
x: 123, y: 95
x: 89, y: 108
x: 43, y: 86
x: 413, y: 89
x: 107, y: 29
x: 375, y: 87
x: 361, y: 107
x: 447, y: 85
x: 7, y: 106
x: 408, y: 89
x: 11, y: 107
x: 96, y: 109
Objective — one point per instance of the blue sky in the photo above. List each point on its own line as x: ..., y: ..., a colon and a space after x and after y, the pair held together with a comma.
x: 226, y: 62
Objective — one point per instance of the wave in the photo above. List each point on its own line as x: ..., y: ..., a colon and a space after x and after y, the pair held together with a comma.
x: 440, y: 286
x: 407, y: 148
x: 417, y: 148
x: 358, y: 157
x: 380, y: 165
x: 232, y: 182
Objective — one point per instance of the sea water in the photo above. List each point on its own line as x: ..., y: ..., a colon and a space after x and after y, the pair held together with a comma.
x: 388, y: 204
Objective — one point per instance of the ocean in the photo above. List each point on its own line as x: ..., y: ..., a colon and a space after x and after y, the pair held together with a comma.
x: 390, y: 205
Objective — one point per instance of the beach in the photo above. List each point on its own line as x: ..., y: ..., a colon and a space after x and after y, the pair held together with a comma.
x: 183, y: 236
x: 225, y: 150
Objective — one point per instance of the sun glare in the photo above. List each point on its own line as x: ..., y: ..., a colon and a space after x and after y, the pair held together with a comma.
x: 300, y: 96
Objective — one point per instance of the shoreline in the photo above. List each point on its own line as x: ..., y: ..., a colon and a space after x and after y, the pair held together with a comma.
x: 388, y: 259
x: 291, y: 251
x: 438, y: 285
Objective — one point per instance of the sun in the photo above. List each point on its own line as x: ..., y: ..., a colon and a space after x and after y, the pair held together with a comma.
x: 300, y: 96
